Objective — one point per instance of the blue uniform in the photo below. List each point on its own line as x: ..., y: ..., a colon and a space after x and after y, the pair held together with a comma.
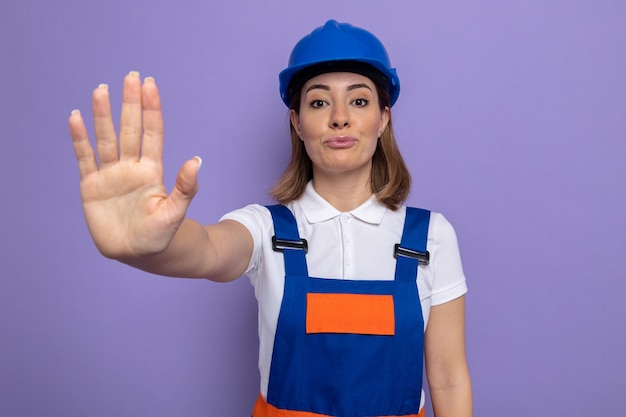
x: 347, y: 348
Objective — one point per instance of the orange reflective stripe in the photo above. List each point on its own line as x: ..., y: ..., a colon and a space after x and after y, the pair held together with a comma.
x: 263, y: 409
x: 350, y: 313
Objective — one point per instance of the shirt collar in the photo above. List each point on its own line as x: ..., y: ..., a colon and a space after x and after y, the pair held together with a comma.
x: 317, y: 210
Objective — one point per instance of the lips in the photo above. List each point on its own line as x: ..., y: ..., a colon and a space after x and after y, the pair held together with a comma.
x: 340, y: 142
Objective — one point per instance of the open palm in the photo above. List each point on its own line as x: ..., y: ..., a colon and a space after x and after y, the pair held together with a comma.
x: 128, y: 211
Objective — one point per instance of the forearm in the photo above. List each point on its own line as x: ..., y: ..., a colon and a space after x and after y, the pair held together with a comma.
x: 219, y: 252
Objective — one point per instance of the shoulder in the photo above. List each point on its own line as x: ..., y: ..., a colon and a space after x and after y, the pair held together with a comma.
x: 439, y: 228
x: 248, y: 213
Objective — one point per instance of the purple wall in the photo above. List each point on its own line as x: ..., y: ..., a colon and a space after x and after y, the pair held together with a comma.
x: 512, y: 118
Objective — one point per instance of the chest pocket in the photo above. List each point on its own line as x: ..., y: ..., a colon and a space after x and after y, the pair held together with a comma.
x: 370, y: 314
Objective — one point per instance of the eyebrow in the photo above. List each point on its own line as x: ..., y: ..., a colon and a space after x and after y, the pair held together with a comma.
x: 327, y: 88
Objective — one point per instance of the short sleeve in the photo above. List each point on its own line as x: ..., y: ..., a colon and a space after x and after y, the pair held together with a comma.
x: 447, y: 270
x: 257, y: 219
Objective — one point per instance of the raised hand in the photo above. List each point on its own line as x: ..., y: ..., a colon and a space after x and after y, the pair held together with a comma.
x: 128, y: 211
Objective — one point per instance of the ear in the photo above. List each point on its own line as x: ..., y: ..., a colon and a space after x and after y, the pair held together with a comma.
x: 295, y: 121
x: 385, y: 115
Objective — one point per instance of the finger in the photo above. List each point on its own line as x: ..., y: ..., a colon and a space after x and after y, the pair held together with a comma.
x: 82, y: 148
x: 130, y: 120
x: 106, y: 141
x: 186, y: 185
x: 152, y: 143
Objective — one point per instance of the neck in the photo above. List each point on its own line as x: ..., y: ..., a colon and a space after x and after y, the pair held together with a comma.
x: 343, y: 192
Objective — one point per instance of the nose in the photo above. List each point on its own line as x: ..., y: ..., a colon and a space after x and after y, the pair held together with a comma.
x: 340, y: 117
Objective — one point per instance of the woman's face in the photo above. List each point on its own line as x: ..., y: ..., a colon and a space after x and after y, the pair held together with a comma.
x: 339, y: 122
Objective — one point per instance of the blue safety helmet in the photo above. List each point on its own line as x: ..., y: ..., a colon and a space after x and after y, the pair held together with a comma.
x: 338, y: 47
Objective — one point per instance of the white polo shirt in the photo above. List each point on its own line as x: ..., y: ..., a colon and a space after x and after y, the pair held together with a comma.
x: 354, y: 245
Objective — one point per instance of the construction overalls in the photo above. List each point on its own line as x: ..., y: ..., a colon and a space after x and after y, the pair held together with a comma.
x: 347, y: 348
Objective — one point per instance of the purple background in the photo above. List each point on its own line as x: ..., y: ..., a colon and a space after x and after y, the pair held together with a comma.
x: 511, y: 117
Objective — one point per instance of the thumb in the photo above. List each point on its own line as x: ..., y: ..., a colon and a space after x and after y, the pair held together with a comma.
x: 186, y: 185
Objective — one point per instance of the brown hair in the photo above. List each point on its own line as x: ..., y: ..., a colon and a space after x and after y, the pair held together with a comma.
x: 390, y: 179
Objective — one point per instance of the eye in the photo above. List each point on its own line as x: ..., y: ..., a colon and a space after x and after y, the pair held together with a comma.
x: 360, y: 102
x: 316, y: 104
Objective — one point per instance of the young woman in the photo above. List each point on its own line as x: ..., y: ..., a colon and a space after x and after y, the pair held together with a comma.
x: 345, y: 275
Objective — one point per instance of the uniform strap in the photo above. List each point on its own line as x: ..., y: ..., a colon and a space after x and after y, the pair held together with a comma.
x: 287, y: 240
x: 411, y: 251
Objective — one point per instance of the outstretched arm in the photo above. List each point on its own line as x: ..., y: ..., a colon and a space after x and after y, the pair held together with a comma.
x: 129, y: 214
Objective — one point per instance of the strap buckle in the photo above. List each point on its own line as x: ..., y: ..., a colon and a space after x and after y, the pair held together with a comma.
x: 279, y: 245
x: 423, y: 258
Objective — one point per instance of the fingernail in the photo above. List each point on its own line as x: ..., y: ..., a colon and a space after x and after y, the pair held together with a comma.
x: 77, y: 112
x: 134, y: 73
x: 105, y: 86
x: 199, y: 161
x: 148, y: 79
